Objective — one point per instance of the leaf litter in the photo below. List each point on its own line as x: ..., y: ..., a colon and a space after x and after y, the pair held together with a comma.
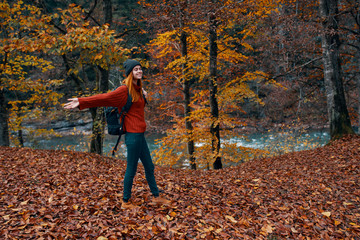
x: 313, y: 194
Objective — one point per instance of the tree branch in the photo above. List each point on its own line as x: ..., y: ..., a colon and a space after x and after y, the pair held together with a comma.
x: 88, y: 15
x: 296, y: 68
x: 76, y: 78
x: 126, y: 32
x: 91, y: 10
x: 350, y: 30
x: 352, y: 45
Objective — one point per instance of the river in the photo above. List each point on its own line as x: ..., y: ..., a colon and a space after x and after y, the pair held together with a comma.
x: 257, y: 140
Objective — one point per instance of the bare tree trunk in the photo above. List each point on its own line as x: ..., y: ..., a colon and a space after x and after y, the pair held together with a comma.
x: 4, y: 118
x: 108, y: 12
x: 97, y: 114
x: 20, y: 133
x: 97, y: 138
x: 358, y: 87
x: 187, y: 98
x: 337, y: 110
x: 214, y: 108
x: 357, y: 19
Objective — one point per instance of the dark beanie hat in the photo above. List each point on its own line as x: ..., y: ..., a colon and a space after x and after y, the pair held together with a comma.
x: 129, y: 65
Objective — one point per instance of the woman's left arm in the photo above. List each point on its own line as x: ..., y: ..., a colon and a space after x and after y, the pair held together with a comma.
x: 116, y: 98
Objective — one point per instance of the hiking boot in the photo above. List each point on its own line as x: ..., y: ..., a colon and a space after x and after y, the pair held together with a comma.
x: 161, y: 200
x: 127, y: 205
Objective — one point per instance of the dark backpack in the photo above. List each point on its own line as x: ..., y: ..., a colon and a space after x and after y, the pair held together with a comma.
x: 115, y: 120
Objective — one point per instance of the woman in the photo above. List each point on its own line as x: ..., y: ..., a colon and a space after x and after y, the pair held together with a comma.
x: 134, y: 124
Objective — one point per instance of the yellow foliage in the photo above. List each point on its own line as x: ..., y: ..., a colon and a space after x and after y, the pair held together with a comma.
x: 96, y: 45
x: 172, y: 147
x: 232, y: 88
x: 20, y: 55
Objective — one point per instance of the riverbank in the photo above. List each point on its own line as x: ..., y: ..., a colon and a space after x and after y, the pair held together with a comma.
x: 70, y: 195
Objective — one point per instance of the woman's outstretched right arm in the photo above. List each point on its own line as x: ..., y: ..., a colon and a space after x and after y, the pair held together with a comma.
x: 73, y: 103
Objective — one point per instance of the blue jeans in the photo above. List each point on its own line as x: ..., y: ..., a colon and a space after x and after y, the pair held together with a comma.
x: 137, y: 148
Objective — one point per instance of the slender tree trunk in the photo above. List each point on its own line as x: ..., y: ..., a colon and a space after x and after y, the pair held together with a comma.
x: 187, y: 98
x: 358, y: 88
x: 20, y: 133
x: 4, y: 118
x: 97, y: 138
x: 97, y: 114
x: 214, y: 108
x: 108, y: 12
x: 358, y: 76
x: 21, y: 138
x: 358, y: 52
x: 337, y: 110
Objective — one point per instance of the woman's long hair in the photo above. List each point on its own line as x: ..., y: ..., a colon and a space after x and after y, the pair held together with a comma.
x: 129, y: 83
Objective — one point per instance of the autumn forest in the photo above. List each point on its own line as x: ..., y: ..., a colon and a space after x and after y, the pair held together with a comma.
x: 214, y: 71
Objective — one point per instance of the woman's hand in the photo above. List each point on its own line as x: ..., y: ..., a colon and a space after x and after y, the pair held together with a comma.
x: 73, y: 103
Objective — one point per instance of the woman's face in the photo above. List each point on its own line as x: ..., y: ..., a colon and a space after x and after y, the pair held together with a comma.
x: 137, y: 72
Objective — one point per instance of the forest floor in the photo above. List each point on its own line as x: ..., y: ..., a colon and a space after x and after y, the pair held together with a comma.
x: 313, y: 194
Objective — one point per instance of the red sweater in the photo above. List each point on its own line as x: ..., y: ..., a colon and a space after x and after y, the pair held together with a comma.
x: 134, y: 121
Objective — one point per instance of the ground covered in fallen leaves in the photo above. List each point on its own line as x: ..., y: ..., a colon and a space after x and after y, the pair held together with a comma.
x: 311, y: 194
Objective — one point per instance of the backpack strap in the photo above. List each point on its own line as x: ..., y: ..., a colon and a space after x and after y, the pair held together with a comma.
x: 116, y: 145
x: 146, y: 102
x: 125, y: 109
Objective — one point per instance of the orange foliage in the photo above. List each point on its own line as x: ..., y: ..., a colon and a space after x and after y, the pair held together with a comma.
x: 233, y: 52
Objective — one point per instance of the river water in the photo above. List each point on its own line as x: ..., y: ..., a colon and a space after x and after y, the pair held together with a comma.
x: 257, y: 140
